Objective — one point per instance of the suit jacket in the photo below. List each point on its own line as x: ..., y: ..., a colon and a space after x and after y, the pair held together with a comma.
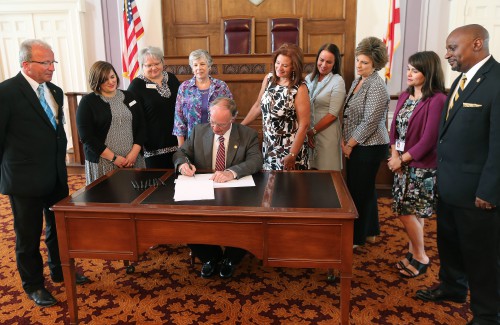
x: 243, y: 155
x: 32, y: 153
x: 423, y: 126
x: 469, y: 141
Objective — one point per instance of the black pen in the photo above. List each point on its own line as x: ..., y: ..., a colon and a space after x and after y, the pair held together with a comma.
x: 187, y: 159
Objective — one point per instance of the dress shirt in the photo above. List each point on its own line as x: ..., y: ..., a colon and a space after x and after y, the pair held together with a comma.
x: 470, y: 74
x: 216, y: 145
x: 48, y: 96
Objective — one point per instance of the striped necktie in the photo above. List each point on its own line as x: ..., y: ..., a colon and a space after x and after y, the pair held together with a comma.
x: 220, y: 159
x: 461, y: 86
x: 46, y: 107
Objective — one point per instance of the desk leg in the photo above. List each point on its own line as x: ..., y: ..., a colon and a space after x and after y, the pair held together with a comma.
x: 345, y: 298
x: 70, y: 284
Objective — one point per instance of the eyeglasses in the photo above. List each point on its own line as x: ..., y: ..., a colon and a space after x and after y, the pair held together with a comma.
x: 45, y: 63
x: 220, y: 125
x: 149, y: 66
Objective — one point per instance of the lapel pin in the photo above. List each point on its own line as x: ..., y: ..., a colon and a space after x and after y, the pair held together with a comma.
x: 478, y: 80
x: 235, y: 146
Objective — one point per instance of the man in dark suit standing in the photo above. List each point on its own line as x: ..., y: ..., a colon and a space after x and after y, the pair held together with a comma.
x: 32, y: 164
x: 468, y: 179
x: 241, y: 156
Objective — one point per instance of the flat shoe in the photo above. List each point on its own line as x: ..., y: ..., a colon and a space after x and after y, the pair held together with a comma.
x: 419, y: 267
x: 436, y: 295
x: 226, y: 269
x: 208, y: 269
x: 401, y: 264
x: 79, y: 279
x: 42, y: 298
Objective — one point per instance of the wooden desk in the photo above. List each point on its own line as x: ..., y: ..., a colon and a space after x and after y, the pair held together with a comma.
x: 300, y: 219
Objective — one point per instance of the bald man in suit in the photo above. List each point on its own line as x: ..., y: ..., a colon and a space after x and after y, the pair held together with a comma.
x: 242, y: 157
x: 468, y: 179
x: 32, y: 164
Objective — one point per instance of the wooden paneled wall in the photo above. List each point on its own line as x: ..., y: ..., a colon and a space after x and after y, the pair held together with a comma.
x: 194, y: 24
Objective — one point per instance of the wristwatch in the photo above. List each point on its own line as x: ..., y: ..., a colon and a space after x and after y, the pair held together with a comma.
x: 114, y: 158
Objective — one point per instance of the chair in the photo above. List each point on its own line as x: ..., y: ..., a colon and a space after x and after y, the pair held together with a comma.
x: 283, y: 30
x: 238, y: 34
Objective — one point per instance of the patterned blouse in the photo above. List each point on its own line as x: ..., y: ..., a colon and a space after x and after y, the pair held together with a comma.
x: 188, y: 106
x: 365, y: 112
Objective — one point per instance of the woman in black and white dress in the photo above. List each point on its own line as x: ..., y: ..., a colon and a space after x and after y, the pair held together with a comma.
x: 284, y: 104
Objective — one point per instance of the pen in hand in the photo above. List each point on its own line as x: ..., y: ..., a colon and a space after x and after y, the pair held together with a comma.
x: 187, y: 160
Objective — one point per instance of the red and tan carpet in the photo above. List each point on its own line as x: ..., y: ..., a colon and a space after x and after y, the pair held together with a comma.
x: 165, y: 289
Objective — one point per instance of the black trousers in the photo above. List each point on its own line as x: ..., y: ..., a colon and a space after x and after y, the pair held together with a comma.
x: 361, y: 171
x: 213, y: 252
x: 468, y: 241
x: 28, y: 223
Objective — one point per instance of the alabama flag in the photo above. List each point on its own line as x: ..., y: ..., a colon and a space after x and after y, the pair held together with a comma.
x: 393, y: 36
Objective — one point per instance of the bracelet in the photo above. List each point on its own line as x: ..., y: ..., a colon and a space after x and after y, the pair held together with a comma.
x: 114, y: 158
x: 314, y: 131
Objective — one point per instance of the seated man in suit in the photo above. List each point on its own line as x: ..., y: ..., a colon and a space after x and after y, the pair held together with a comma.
x: 233, y: 151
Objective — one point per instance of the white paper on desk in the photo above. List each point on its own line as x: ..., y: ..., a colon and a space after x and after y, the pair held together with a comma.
x: 246, y: 181
x: 188, y: 190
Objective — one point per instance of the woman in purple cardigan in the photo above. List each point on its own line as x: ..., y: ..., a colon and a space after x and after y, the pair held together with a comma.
x: 413, y: 140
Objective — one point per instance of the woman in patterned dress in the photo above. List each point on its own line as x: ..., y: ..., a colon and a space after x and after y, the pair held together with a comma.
x: 366, y: 136
x: 110, y: 123
x: 195, y: 95
x: 413, y: 139
x: 156, y: 90
x: 284, y: 104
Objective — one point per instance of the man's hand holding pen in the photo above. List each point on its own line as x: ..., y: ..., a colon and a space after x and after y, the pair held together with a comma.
x: 187, y: 169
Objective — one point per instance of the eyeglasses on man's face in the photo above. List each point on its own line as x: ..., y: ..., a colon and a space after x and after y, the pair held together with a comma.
x: 44, y: 63
x: 220, y: 125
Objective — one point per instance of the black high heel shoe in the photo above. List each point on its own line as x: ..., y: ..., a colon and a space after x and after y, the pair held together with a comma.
x: 419, y: 267
x: 401, y: 264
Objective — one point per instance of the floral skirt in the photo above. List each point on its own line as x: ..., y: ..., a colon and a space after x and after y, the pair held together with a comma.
x: 414, y: 192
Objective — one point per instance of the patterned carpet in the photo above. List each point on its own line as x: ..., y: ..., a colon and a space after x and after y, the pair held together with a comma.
x: 165, y: 289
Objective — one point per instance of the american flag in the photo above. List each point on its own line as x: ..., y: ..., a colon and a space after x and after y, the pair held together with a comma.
x: 393, y: 36
x: 133, y: 31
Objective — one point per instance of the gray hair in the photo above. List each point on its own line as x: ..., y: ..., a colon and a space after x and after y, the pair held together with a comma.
x: 26, y: 49
x: 200, y: 54
x: 226, y: 103
x: 150, y: 51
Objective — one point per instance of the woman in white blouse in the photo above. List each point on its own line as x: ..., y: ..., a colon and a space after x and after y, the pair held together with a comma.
x: 327, y: 93
x: 365, y: 135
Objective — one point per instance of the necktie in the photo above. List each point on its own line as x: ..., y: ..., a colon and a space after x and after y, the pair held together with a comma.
x: 46, y: 107
x: 461, y: 86
x: 220, y: 159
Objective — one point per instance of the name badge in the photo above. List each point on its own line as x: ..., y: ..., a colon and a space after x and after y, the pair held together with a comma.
x: 151, y: 86
x: 400, y: 145
x: 132, y: 103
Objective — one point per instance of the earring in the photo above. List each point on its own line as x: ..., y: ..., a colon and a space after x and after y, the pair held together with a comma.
x: 293, y: 75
